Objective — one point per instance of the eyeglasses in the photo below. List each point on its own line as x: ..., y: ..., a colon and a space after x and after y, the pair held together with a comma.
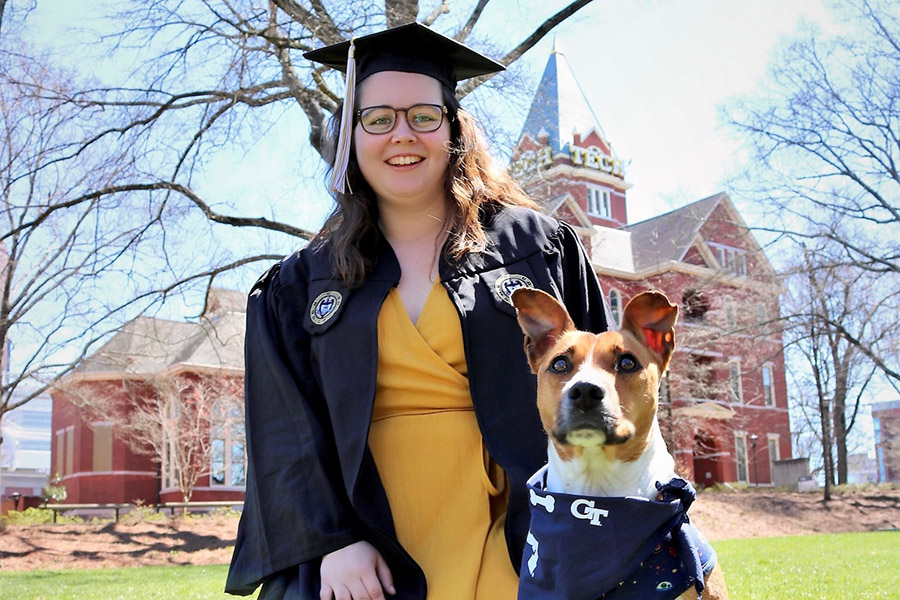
x: 382, y: 119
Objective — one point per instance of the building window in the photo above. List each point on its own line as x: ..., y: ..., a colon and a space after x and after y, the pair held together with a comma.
x: 695, y: 305
x: 734, y: 380
x: 774, y: 454
x: 720, y: 256
x: 598, y: 202
x: 35, y: 445
x: 615, y: 305
x: 665, y: 391
x: 60, y: 451
x: 730, y: 313
x: 70, y: 451
x: 33, y: 419
x: 169, y: 458
x: 740, y: 453
x: 768, y: 385
x: 731, y: 259
x: 102, y: 446
x: 217, y: 469
x: 701, y: 376
x: 762, y: 314
x: 228, y: 458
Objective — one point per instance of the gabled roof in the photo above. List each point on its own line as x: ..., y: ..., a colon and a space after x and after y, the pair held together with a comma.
x: 567, y: 200
x: 148, y: 345
x: 560, y: 107
x: 668, y: 237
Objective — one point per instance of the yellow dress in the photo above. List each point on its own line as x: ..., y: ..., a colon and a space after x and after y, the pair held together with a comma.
x: 447, y: 497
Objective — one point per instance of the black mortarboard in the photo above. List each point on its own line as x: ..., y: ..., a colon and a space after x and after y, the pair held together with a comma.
x: 412, y: 48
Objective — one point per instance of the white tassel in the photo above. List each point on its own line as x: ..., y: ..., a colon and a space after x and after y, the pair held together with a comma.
x: 342, y: 153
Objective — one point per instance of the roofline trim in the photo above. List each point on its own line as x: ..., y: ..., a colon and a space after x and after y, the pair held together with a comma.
x: 673, y: 265
x: 177, y: 369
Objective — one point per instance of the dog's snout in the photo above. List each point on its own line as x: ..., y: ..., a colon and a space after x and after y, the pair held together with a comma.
x: 585, y: 396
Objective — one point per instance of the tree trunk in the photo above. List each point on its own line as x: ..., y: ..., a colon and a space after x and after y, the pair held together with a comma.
x: 839, y: 419
x: 824, y: 413
x: 839, y: 405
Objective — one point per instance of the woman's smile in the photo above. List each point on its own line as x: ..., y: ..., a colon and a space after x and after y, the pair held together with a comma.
x: 404, y: 160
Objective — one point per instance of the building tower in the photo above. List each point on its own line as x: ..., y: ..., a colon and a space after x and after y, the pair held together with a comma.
x: 563, y: 158
x: 723, y: 406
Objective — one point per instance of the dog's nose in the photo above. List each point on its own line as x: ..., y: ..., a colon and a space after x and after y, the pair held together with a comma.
x: 585, y: 396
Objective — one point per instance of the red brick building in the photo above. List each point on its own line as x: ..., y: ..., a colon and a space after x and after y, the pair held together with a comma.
x: 724, y: 404
x: 154, y: 375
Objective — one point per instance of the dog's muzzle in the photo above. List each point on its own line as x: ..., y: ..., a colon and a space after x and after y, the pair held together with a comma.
x: 584, y: 417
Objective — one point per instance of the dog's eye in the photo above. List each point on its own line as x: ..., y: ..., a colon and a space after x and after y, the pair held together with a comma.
x: 560, y: 364
x: 627, y: 363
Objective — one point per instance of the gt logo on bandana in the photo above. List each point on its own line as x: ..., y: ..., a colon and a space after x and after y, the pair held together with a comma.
x: 509, y: 283
x: 324, y: 307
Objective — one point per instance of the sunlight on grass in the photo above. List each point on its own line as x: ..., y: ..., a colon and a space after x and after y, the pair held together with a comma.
x: 135, y: 583
x: 820, y: 567
x: 823, y: 567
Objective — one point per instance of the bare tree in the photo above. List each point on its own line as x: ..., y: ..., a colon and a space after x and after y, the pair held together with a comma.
x: 215, y: 74
x: 174, y: 419
x: 175, y: 426
x: 833, y: 374
x: 824, y: 144
x: 81, y: 251
x: 105, y: 215
x: 59, y: 242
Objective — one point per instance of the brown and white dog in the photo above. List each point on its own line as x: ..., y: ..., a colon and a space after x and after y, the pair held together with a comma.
x: 598, y: 396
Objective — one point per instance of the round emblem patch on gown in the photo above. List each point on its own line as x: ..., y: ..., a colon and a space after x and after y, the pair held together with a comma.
x: 324, y: 307
x: 509, y: 283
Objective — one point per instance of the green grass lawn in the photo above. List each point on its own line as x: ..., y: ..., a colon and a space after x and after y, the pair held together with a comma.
x: 825, y: 567
x: 847, y: 565
x: 135, y: 583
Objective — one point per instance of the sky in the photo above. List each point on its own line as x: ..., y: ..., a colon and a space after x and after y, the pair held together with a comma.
x: 656, y: 73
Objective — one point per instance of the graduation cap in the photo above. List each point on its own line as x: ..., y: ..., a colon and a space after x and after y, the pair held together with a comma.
x: 412, y: 48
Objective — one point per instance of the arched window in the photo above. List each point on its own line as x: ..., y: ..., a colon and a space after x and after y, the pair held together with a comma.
x: 768, y: 384
x: 615, y: 305
x: 227, y: 456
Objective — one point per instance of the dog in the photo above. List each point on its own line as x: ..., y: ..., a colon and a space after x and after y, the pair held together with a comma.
x: 608, y: 508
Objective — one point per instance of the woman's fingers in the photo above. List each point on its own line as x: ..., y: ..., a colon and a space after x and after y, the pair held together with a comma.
x: 355, y: 572
x: 384, y: 575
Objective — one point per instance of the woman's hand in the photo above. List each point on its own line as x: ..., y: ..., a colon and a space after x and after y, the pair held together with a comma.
x: 355, y: 572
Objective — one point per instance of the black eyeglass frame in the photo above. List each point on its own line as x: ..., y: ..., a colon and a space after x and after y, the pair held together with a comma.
x: 443, y: 111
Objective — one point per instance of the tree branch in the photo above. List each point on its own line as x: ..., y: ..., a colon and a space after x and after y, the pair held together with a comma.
x: 526, y: 44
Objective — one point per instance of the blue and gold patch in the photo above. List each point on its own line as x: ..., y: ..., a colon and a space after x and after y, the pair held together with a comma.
x: 507, y: 284
x: 324, y: 307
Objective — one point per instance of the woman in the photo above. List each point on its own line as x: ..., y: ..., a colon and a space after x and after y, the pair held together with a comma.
x: 391, y: 418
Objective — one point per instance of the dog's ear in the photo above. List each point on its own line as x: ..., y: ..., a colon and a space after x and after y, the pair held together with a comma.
x: 543, y: 319
x: 651, y: 317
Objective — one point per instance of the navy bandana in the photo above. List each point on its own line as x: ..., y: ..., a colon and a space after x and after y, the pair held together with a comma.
x: 586, y: 548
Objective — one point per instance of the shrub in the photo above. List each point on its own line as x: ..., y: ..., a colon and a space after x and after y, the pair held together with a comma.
x: 37, y: 516
x: 55, y: 491
x: 141, y: 513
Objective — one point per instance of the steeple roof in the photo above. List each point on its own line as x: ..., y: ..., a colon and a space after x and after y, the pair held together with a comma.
x: 560, y: 107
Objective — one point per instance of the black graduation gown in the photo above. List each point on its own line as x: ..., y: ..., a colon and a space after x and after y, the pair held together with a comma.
x: 311, y: 360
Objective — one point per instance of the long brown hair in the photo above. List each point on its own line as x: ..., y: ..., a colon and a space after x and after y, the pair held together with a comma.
x: 475, y: 183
